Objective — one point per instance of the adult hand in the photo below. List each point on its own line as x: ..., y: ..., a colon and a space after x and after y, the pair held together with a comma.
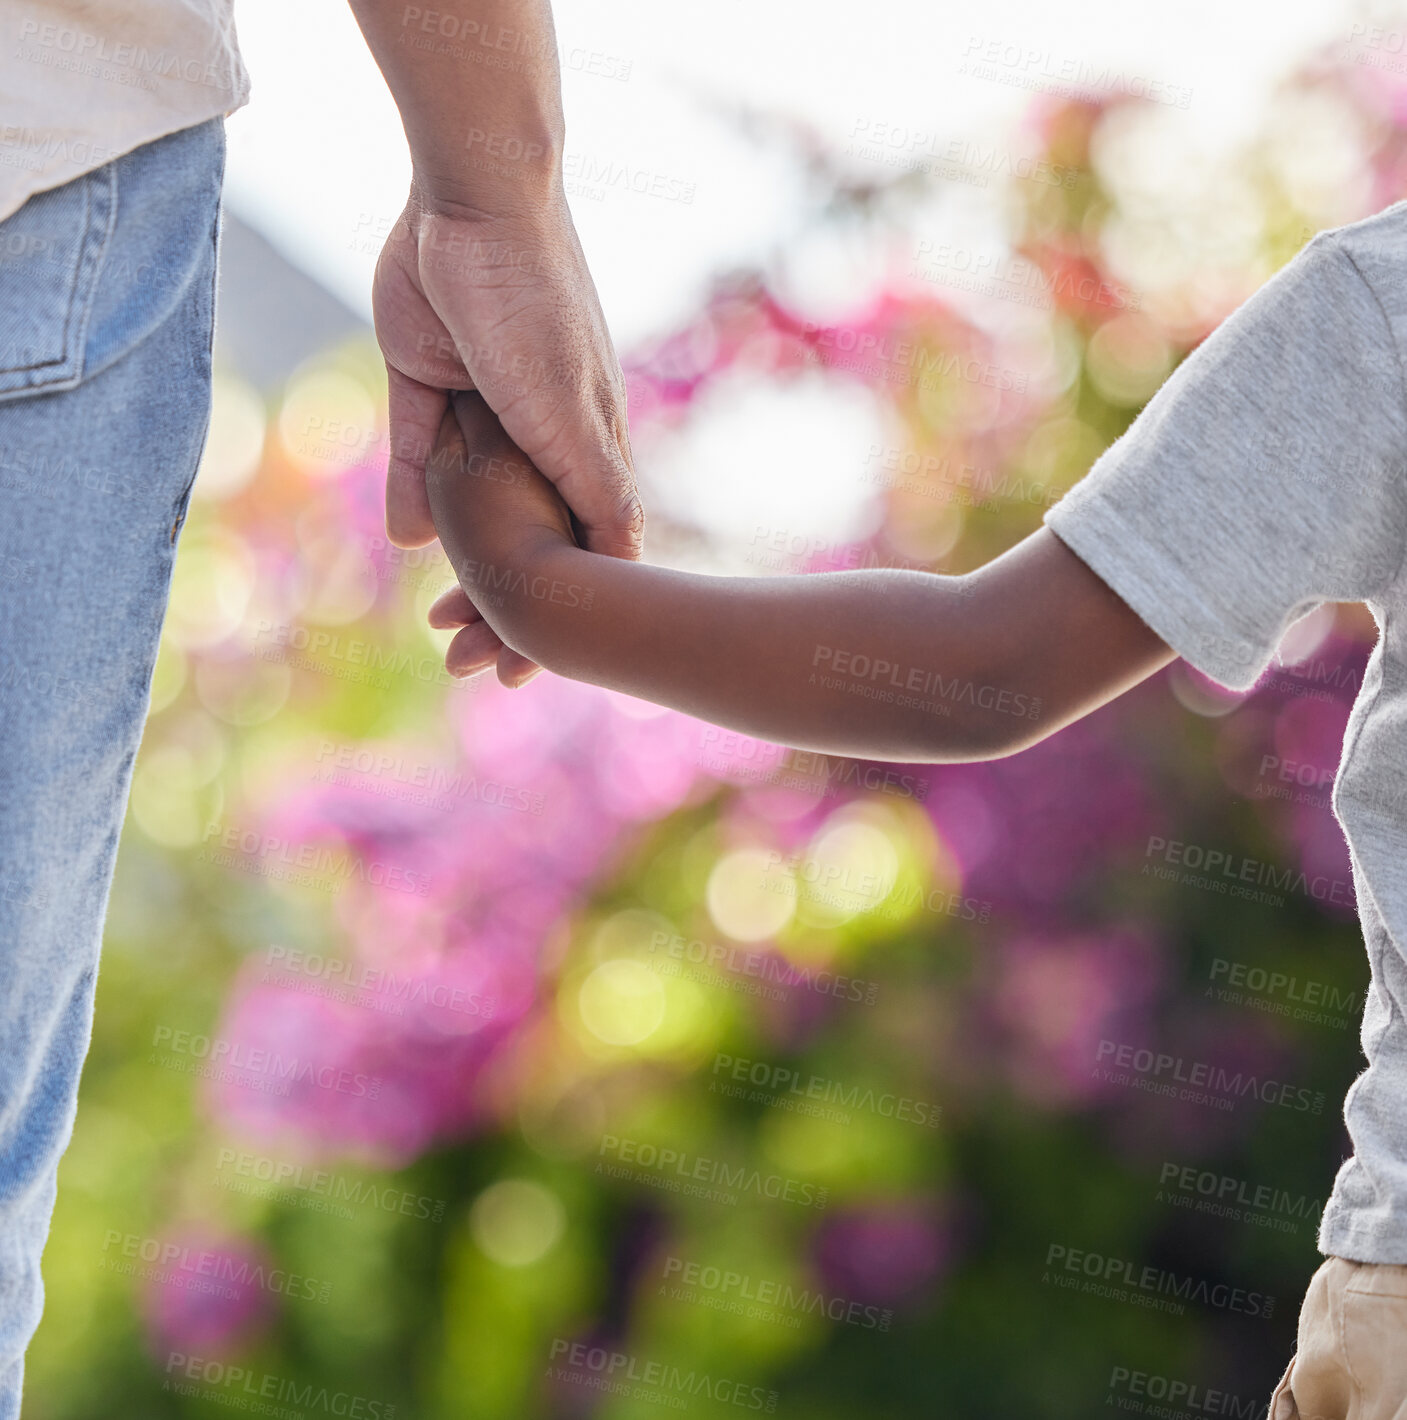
x: 502, y: 302
x: 482, y: 284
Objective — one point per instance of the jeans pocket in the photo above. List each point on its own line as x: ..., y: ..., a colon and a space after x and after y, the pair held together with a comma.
x: 51, y: 253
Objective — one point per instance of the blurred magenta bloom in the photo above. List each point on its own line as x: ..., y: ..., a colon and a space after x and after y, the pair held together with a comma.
x: 209, y: 1293
x: 1248, y: 1063
x: 882, y: 1255
x: 1058, y: 997
x: 1034, y: 830
x: 453, y: 903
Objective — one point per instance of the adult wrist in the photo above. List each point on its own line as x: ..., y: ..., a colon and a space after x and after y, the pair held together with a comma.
x: 498, y: 174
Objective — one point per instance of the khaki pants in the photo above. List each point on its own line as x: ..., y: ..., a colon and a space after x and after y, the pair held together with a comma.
x: 1351, y: 1361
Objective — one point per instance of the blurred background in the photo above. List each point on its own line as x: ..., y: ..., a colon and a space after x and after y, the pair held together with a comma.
x: 462, y: 1053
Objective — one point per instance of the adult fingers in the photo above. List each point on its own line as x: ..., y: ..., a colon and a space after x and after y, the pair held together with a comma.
x: 599, y: 488
x: 523, y: 314
x: 415, y: 412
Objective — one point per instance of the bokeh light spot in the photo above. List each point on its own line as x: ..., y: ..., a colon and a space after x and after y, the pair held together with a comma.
x: 516, y: 1222
x: 622, y: 1002
x: 328, y: 423
x: 850, y: 867
x: 235, y: 444
x: 750, y: 895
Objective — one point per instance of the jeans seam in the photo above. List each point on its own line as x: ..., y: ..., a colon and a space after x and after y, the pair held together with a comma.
x: 182, y: 506
x: 99, y: 260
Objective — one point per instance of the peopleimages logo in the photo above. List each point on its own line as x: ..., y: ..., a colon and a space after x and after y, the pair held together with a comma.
x: 1133, y: 1390
x: 382, y: 772
x: 761, y: 1299
x: 840, y: 886
x: 235, y: 1058
x: 1229, y: 872
x: 218, y: 1272
x: 766, y: 968
x: 248, y: 1390
x: 357, y: 659
x: 306, y: 861
x: 903, y: 362
x: 1121, y: 1279
x: 780, y: 1084
x: 1257, y: 981
x: 832, y: 663
x: 725, y: 753
x: 619, y: 1373
x: 710, y: 1179
x: 99, y: 57
x: 1224, y: 1196
x: 1197, y: 1081
x: 941, y: 476
x: 357, y: 984
x: 1013, y: 277
x: 240, y: 1172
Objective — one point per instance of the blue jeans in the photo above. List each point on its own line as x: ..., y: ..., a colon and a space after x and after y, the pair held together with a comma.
x: 107, y: 295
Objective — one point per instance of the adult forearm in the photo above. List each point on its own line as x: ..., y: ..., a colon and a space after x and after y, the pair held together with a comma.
x: 478, y: 87
x: 877, y: 664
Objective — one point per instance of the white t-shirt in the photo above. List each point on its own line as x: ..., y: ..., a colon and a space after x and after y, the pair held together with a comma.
x: 84, y: 81
x: 1269, y: 475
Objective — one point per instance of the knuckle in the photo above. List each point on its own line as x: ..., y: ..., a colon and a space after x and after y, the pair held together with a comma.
x: 633, y: 519
x: 630, y: 520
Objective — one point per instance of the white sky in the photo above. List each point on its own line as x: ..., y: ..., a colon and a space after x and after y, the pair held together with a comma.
x: 317, y: 162
x: 318, y: 156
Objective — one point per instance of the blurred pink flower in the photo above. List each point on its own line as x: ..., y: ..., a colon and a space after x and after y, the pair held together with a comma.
x: 1245, y: 1064
x: 1058, y: 997
x: 883, y: 1255
x: 208, y: 1293
x: 1033, y: 830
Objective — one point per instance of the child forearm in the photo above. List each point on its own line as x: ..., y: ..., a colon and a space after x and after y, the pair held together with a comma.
x: 880, y: 664
x: 883, y: 664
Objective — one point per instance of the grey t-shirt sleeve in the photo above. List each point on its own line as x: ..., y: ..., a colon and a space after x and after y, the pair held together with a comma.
x: 1266, y: 476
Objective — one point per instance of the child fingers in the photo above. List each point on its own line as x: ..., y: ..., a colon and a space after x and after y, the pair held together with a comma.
x: 478, y: 424
x: 452, y: 608
x: 473, y: 649
x: 488, y: 450
x: 514, y: 669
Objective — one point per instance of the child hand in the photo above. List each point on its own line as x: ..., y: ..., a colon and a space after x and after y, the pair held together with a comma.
x: 496, y: 515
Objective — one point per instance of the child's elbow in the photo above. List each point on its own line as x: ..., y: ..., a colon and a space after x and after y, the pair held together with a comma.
x: 975, y: 739
x: 1001, y: 741
x: 983, y: 713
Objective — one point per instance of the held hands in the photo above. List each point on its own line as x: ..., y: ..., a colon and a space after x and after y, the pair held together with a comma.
x: 482, y: 285
x: 502, y: 302
x: 499, y: 519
